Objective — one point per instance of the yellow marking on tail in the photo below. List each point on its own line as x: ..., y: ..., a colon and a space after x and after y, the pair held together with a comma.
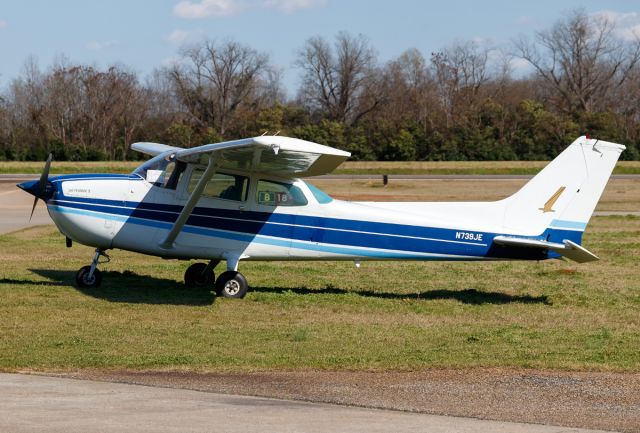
x: 552, y: 200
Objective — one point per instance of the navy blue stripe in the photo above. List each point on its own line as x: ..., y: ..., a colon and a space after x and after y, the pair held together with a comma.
x: 266, y: 228
x: 232, y: 221
x: 268, y: 217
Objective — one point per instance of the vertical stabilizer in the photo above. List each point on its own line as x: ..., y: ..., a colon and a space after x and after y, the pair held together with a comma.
x: 565, y: 193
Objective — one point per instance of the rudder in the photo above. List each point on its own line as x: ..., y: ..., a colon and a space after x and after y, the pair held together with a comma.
x: 565, y: 193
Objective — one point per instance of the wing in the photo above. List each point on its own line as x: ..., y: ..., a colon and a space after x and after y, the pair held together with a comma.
x: 280, y: 156
x: 153, y: 149
x: 568, y: 249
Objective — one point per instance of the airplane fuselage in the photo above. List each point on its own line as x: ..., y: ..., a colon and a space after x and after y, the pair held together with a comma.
x: 241, y: 200
x: 127, y: 212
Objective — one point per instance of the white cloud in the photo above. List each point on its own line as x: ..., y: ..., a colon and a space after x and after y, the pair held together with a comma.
x: 289, y: 6
x: 482, y: 41
x: 97, y: 45
x: 3, y: 24
x: 206, y: 8
x: 195, y: 9
x: 627, y: 24
x: 178, y: 37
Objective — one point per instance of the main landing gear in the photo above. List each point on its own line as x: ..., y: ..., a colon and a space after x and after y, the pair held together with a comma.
x: 230, y: 284
x: 90, y: 276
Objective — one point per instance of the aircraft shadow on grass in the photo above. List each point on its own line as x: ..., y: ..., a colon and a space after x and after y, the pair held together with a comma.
x: 134, y: 288
x: 466, y: 296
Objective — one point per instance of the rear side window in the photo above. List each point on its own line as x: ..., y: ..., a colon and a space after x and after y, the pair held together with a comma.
x: 271, y: 193
x: 222, y: 185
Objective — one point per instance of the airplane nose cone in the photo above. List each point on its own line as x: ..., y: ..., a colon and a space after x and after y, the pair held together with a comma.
x: 30, y: 186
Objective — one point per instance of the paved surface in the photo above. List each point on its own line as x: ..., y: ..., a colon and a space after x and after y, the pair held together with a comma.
x: 37, y: 403
x: 448, y: 176
x: 15, y: 178
x: 592, y: 400
x: 15, y: 207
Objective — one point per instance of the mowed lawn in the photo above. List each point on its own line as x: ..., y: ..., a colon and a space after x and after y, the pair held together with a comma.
x: 323, y: 315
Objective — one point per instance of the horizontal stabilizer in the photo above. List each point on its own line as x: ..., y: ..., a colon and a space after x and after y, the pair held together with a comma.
x: 567, y: 249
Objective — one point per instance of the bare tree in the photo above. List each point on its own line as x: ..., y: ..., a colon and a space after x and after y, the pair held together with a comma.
x: 409, y: 90
x: 336, y: 79
x: 460, y: 72
x: 581, y: 59
x: 214, y: 80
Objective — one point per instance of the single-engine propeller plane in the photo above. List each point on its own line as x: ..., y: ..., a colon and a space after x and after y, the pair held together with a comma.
x: 245, y: 200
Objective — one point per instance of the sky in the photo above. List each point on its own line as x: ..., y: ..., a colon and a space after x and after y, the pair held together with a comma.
x: 146, y: 34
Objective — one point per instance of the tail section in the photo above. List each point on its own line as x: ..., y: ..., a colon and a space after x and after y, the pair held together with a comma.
x: 565, y: 193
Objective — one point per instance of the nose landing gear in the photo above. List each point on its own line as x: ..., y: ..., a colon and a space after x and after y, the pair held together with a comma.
x: 90, y: 276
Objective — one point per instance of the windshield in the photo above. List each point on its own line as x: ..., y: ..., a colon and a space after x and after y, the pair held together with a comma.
x: 152, y: 170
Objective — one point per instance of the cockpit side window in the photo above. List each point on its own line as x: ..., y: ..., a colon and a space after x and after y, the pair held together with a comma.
x: 270, y: 193
x: 221, y: 185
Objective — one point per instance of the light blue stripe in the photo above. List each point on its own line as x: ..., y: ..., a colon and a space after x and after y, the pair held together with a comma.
x: 568, y: 224
x: 258, y: 239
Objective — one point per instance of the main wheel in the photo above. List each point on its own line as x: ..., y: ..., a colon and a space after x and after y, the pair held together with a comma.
x: 83, y: 280
x: 231, y: 284
x: 194, y: 276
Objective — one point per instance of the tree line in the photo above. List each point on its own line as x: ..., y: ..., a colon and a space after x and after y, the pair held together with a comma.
x: 464, y: 102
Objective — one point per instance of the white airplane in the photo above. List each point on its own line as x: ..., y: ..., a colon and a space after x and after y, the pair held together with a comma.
x: 244, y: 200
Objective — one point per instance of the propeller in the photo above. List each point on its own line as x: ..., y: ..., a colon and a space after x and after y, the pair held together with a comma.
x: 42, y: 184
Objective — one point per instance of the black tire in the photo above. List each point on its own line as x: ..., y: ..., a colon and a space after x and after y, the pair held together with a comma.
x: 231, y: 284
x: 193, y: 276
x: 83, y: 280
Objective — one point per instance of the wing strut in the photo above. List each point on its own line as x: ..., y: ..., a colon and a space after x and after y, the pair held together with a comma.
x: 168, y: 241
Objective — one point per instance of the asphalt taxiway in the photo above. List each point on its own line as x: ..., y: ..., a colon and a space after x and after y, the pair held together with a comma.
x: 30, y: 403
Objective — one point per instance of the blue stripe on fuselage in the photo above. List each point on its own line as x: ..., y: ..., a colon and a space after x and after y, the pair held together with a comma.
x: 243, y: 237
x: 341, y: 233
x: 568, y: 224
x: 441, y: 241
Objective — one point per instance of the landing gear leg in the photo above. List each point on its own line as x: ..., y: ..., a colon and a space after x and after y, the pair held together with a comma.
x: 90, y: 276
x: 232, y: 284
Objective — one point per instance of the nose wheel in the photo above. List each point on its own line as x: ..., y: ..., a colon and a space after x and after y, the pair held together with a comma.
x: 90, y: 276
x: 85, y: 279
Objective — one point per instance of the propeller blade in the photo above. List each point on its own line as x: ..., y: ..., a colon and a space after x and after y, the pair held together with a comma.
x: 42, y: 184
x: 35, y: 202
x: 45, y: 174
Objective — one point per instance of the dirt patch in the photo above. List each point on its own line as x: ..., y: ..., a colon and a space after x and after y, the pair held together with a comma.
x: 609, y: 401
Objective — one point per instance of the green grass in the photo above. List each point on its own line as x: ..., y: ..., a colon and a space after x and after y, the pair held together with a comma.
x: 349, y: 167
x: 323, y: 315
